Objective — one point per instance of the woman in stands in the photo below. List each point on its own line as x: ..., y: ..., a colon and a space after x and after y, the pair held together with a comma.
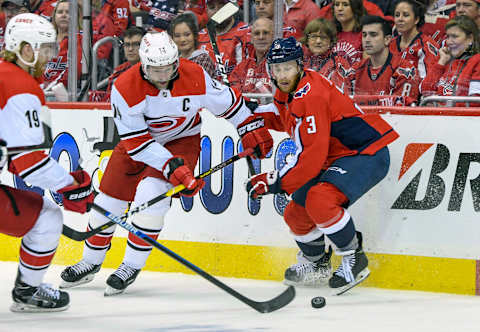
x: 411, y: 44
x: 457, y: 72
x: 184, y: 32
x: 347, y: 14
x: 320, y: 35
x: 56, y: 71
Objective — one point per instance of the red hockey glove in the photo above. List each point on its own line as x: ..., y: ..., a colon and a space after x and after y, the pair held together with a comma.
x: 177, y: 173
x: 78, y: 198
x: 254, y: 135
x: 263, y: 184
x: 3, y: 153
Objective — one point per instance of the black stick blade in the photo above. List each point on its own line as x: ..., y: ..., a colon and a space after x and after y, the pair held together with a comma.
x: 276, y: 303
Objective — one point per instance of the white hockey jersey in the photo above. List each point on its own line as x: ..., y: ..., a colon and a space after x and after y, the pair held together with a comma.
x: 21, y: 101
x: 147, y: 118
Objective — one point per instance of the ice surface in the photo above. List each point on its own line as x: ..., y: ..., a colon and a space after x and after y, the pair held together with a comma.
x: 187, y: 303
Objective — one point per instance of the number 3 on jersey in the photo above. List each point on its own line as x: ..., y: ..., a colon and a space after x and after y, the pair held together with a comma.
x: 312, y: 128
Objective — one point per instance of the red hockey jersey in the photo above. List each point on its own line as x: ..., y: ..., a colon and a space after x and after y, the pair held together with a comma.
x: 46, y: 9
x: 251, y: 76
x: 349, y: 46
x: 298, y: 16
x: 325, y: 125
x: 422, y: 51
x: 56, y: 70
x: 230, y: 45
x: 332, y: 66
x: 459, y: 77
x: 397, y: 78
x: 119, y: 12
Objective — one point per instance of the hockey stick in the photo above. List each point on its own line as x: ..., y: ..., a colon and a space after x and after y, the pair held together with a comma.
x: 220, y: 16
x: 263, y: 307
x: 81, y: 236
x: 47, y: 143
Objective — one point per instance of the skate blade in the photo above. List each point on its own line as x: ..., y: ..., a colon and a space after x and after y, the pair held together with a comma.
x: 110, y: 291
x: 23, y: 307
x: 317, y: 284
x: 360, y: 278
x: 67, y: 284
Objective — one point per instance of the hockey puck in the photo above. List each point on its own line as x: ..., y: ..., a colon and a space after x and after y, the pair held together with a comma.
x: 318, y: 302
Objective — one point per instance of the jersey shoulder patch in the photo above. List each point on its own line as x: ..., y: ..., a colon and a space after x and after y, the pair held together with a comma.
x: 300, y: 93
x: 15, y: 81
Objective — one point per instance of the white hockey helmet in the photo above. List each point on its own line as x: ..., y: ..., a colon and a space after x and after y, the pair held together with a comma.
x: 158, y: 50
x: 32, y: 29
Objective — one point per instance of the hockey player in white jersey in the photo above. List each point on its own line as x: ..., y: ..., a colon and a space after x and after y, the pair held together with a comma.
x: 156, y: 106
x: 30, y: 42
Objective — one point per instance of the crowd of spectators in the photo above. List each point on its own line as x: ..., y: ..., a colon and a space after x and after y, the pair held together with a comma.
x: 388, y: 52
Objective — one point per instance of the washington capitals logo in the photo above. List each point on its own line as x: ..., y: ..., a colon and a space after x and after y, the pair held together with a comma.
x: 302, y: 91
x: 344, y: 72
x: 409, y: 73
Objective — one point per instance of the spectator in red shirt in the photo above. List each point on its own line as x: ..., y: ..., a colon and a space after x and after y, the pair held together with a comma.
x: 382, y: 74
x: 251, y: 75
x: 232, y: 35
x: 131, y: 44
x: 320, y: 36
x: 119, y: 12
x: 184, y: 32
x: 457, y: 72
x: 347, y: 14
x: 411, y: 44
x: 264, y: 8
x: 298, y: 13
x: 56, y: 69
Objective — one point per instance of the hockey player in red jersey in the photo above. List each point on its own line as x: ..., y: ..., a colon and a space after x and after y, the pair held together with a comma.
x: 29, y: 43
x: 341, y: 153
x: 156, y: 105
x: 411, y: 44
x: 382, y: 74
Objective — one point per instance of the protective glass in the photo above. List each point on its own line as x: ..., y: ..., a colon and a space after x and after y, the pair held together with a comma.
x: 47, y: 51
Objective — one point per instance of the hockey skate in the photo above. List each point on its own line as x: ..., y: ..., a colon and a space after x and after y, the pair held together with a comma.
x: 119, y: 280
x: 78, y: 274
x: 43, y: 298
x: 309, y: 274
x: 352, y: 270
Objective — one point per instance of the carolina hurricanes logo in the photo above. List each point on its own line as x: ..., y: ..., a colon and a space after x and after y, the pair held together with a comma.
x: 302, y: 91
x: 166, y: 123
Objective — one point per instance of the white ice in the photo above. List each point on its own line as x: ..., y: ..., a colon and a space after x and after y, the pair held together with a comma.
x: 188, y: 303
